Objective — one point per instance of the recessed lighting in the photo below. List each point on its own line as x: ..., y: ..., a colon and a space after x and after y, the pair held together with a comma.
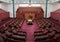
x: 27, y: 5
x: 23, y: 5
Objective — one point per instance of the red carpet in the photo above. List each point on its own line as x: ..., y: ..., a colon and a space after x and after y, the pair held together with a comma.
x: 29, y: 29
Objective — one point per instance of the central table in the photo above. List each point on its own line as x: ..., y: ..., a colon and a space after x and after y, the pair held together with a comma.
x: 29, y: 22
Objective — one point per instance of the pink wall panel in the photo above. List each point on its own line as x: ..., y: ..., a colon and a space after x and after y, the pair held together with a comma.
x: 3, y: 14
x: 56, y: 15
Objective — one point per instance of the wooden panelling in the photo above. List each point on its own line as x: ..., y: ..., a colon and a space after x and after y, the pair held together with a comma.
x: 29, y: 14
x: 37, y: 11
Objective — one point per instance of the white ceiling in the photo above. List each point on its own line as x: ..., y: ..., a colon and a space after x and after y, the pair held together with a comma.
x: 32, y: 1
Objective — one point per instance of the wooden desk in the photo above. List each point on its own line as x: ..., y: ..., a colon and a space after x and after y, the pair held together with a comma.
x: 30, y: 21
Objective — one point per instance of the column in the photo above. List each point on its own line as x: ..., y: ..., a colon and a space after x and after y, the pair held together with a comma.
x: 13, y: 8
x: 46, y: 8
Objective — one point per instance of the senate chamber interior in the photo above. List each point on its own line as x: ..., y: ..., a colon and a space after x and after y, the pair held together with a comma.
x: 29, y: 20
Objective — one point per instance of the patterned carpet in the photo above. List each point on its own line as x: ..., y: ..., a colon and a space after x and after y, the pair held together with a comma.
x: 29, y: 29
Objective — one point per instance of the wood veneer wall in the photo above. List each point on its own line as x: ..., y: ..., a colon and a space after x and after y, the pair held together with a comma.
x: 21, y: 11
